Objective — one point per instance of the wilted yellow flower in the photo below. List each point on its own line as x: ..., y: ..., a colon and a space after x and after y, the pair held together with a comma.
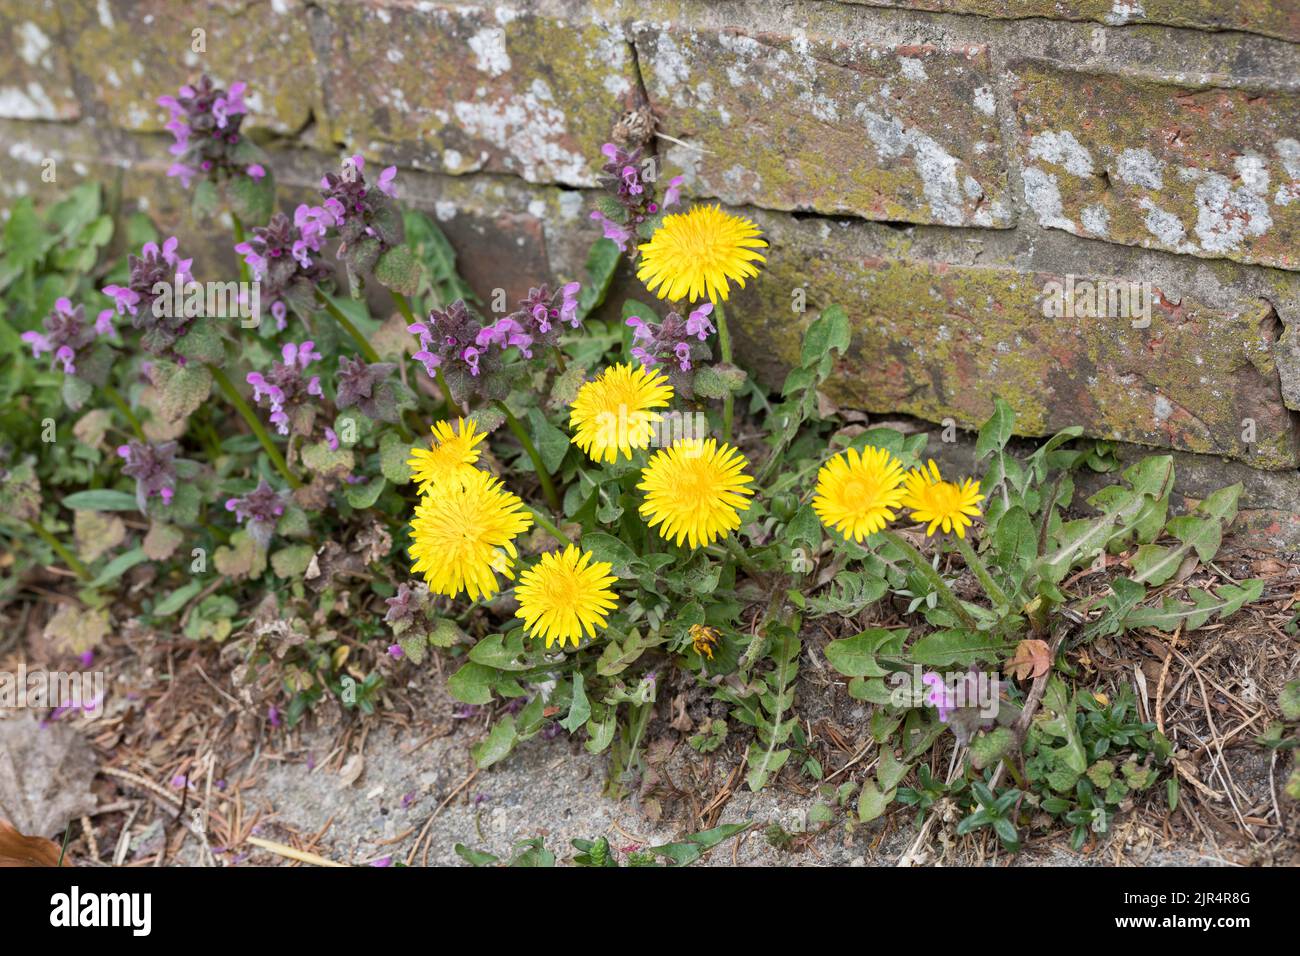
x: 695, y: 491
x: 941, y: 503
x: 697, y: 254
x: 451, y: 458
x: 565, y: 594
x: 613, y: 413
x: 704, y: 639
x: 463, y: 535
x: 857, y: 492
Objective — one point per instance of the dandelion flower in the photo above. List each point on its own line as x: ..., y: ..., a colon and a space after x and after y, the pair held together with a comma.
x: 941, y: 503
x: 695, y: 491
x: 564, y: 595
x: 613, y: 413
x: 452, y: 457
x: 856, y: 493
x: 704, y: 639
x: 698, y: 254
x: 463, y: 535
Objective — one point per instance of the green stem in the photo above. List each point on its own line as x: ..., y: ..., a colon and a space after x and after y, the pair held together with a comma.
x: 724, y: 345
x: 973, y: 561
x: 125, y: 409
x: 452, y: 407
x: 544, y: 521
x: 366, y: 348
x: 244, y: 276
x: 404, y: 307
x: 931, y: 575
x: 736, y: 551
x: 255, y: 424
x: 69, y: 558
x: 548, y: 489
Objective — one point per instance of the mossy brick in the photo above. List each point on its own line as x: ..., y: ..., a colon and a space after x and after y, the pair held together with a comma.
x: 1274, y: 18
x: 133, y: 51
x: 796, y: 122
x: 35, y: 81
x: 941, y: 341
x: 461, y: 89
x: 1211, y: 173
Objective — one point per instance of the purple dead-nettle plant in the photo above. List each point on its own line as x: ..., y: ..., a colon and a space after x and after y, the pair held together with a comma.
x: 449, y: 343
x: 630, y: 209
x: 259, y: 510
x: 284, y: 256
x: 370, y: 389
x: 680, y: 344
x: 154, y: 267
x: 153, y: 466
x: 68, y: 335
x: 206, y: 120
x: 968, y: 703
x: 537, y: 323
x: 363, y: 215
x: 287, y: 390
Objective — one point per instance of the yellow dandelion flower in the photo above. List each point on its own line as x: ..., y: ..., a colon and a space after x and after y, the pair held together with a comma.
x: 856, y: 493
x: 704, y: 639
x: 451, y: 458
x: 695, y: 491
x: 697, y: 254
x: 463, y: 535
x: 941, y: 503
x: 565, y: 594
x: 613, y: 413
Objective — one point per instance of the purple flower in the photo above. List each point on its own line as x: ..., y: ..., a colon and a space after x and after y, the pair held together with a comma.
x: 67, y: 333
x: 967, y: 703
x: 286, y: 388
x: 395, y: 652
x: 358, y: 213
x: 205, y: 121
x: 671, y: 339
x: 539, y: 320
x: 261, y: 508
x: 284, y: 257
x: 273, y: 715
x: 154, y: 469
x: 631, y: 196
x: 151, y: 309
x: 449, y: 341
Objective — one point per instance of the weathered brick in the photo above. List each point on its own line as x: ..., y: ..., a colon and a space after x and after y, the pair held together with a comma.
x: 1213, y: 173
x: 939, y: 340
x: 35, y: 82
x: 1276, y: 18
x: 794, y: 122
x: 459, y: 89
x: 133, y: 51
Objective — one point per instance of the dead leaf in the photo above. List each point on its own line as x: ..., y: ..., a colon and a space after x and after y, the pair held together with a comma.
x: 351, y: 771
x: 90, y: 427
x: 75, y: 630
x: 45, y: 775
x: 19, y: 850
x: 1033, y: 658
x: 162, y: 540
x: 96, y: 532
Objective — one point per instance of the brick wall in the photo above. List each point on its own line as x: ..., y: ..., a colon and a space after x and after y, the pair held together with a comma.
x: 933, y: 165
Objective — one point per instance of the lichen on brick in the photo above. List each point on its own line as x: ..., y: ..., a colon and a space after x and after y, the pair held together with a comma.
x: 462, y: 89
x: 35, y: 82
x: 1202, y: 172
x: 809, y: 123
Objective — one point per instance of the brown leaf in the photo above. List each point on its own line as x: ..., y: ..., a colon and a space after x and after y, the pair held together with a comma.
x: 1033, y: 659
x: 19, y: 850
